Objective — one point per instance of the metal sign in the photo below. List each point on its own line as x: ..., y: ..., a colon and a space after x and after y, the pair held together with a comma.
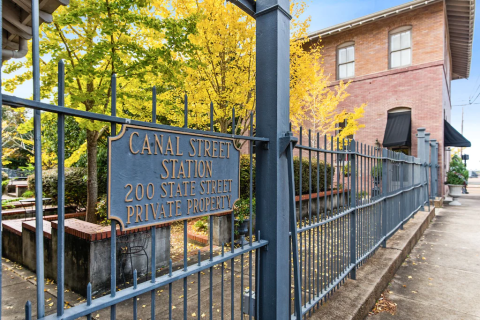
x: 157, y: 176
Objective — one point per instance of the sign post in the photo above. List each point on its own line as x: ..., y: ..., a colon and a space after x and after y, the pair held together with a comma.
x: 157, y: 176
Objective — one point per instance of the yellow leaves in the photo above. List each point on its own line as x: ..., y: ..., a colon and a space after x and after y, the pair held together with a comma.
x: 221, y: 69
x: 312, y: 102
x: 76, y: 155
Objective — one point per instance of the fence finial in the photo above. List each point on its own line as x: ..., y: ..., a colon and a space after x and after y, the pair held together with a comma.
x: 211, y: 116
x: 185, y: 112
x: 28, y: 310
x: 233, y: 121
x: 154, y: 104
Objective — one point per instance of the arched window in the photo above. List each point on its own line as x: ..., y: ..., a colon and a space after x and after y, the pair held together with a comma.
x: 399, y: 109
x: 346, y: 60
x: 400, y: 47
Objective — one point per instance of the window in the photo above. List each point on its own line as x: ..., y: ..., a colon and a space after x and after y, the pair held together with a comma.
x: 346, y: 61
x: 401, y: 47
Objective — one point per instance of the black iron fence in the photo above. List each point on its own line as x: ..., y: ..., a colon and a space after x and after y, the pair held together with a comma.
x: 218, y: 264
x: 374, y: 192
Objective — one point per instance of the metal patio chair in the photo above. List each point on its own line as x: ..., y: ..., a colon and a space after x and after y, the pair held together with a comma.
x: 130, y: 247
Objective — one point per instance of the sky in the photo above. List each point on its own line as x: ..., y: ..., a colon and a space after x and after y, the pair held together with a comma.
x: 326, y: 13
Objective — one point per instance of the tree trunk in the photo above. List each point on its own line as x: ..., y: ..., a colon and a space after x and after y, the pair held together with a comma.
x: 92, y: 182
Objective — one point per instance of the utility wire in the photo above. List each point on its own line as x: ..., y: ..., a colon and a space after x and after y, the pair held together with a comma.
x: 471, y: 102
x: 475, y: 91
x: 466, y: 104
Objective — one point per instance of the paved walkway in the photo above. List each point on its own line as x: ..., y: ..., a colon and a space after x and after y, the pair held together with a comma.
x: 441, y: 277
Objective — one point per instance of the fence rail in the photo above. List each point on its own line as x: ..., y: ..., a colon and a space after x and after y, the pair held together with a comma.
x: 377, y: 192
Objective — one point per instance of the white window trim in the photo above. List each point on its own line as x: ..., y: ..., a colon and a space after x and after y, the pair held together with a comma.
x: 392, y: 33
x: 345, y: 45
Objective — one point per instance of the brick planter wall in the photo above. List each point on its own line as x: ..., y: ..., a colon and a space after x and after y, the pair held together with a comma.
x: 330, y: 198
x: 87, y: 254
x: 29, y: 247
x: 12, y: 240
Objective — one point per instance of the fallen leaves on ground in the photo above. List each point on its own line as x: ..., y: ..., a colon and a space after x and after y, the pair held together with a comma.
x: 384, y: 305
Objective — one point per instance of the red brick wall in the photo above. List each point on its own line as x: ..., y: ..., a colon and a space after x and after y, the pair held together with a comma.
x: 424, y: 86
x: 371, y: 41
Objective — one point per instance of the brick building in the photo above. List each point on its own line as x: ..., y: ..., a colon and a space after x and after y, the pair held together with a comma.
x: 402, y: 59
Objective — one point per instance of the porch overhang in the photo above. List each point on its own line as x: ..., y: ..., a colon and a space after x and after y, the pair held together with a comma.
x: 453, y: 138
x: 17, y: 24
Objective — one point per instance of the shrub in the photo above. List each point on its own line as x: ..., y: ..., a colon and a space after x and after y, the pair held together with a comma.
x: 75, y: 185
x: 347, y: 170
x: 28, y: 194
x: 242, y: 209
x: 201, y: 224
x: 455, y: 178
x: 305, y: 175
x: 458, y: 173
x: 4, y: 176
x: 456, y: 165
x: 4, y: 186
x: 377, y: 171
x: 245, y: 175
x: 102, y: 211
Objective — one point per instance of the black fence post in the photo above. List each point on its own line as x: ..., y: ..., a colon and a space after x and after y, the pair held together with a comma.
x: 426, y: 165
x: 353, y: 214
x: 384, y: 194
x: 272, y: 115
x: 421, y: 157
x: 433, y: 168
x: 402, y: 188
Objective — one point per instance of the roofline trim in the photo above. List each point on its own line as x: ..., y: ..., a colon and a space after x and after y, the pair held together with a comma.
x: 371, y: 18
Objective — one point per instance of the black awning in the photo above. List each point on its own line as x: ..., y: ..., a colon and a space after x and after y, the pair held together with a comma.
x: 398, y: 130
x: 453, y: 138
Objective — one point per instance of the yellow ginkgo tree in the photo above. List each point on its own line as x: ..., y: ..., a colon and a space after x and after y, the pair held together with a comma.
x: 221, y: 68
x: 222, y: 71
x: 99, y: 39
x: 313, y: 104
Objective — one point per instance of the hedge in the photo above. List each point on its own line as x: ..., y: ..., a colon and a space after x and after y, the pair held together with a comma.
x: 75, y: 185
x: 245, y: 176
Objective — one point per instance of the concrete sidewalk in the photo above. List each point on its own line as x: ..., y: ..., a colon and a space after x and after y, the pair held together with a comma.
x: 441, y: 277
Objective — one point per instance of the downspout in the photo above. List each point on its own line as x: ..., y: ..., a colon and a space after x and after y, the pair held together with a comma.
x: 16, y: 54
